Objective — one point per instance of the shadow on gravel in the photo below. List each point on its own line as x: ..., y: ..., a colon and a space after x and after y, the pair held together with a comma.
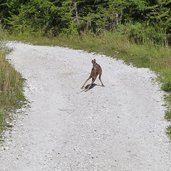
x: 87, y: 88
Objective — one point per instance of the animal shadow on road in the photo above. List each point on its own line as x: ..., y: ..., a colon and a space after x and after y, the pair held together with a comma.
x: 90, y: 86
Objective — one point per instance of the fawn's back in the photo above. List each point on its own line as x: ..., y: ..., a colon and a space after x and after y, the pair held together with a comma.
x: 96, y: 70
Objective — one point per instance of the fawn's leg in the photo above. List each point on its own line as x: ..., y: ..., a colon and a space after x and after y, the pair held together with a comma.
x: 100, y: 79
x: 86, y: 82
x: 93, y: 80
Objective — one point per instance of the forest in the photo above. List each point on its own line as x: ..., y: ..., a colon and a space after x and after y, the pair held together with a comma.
x: 140, y: 20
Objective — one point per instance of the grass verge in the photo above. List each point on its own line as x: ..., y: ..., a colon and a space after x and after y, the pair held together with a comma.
x: 11, y: 89
x: 149, y: 55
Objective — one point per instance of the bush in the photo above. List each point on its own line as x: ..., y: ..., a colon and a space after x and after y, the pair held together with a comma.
x: 141, y: 33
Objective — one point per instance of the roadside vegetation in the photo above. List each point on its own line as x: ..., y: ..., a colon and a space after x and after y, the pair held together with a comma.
x: 11, y: 89
x: 137, y: 31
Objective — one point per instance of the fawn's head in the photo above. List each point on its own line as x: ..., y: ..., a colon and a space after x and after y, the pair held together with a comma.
x: 93, y: 61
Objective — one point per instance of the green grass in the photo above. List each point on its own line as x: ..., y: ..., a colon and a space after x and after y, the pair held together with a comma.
x: 2, y: 121
x: 11, y: 89
x: 114, y: 44
x: 169, y: 131
x: 168, y: 115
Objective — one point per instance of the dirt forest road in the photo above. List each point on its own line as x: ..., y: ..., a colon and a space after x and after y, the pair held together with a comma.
x: 119, y: 127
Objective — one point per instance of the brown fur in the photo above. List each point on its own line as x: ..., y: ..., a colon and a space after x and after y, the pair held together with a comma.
x: 95, y: 71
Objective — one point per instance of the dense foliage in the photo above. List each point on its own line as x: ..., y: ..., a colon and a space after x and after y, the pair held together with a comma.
x: 141, y: 20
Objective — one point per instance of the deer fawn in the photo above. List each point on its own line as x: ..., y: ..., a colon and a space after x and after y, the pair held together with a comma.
x: 95, y: 71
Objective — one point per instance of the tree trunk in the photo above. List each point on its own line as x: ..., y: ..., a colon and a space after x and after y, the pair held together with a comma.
x: 76, y: 12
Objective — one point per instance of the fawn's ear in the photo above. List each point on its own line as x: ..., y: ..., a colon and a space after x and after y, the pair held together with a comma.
x: 93, y: 61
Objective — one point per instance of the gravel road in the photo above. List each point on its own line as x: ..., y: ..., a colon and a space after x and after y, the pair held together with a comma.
x: 119, y: 127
